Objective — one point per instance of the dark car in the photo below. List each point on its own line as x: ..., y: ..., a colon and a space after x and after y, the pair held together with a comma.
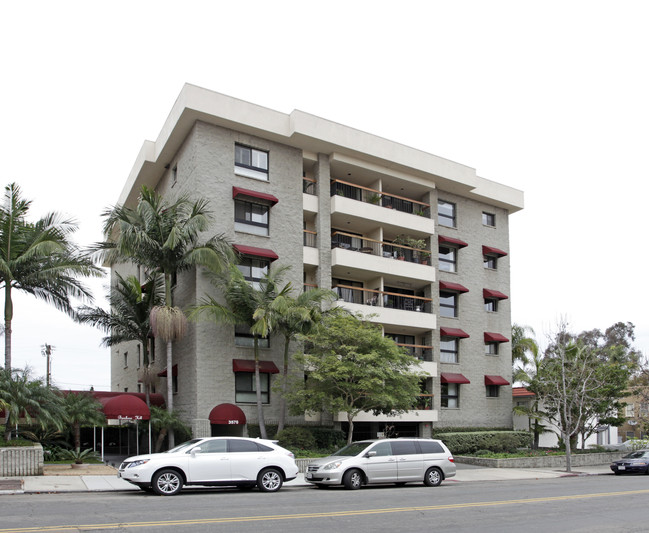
x: 637, y: 461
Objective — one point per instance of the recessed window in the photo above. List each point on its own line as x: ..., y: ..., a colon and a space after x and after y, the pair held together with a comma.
x: 447, y: 258
x: 446, y: 213
x: 493, y: 391
x: 253, y: 269
x: 125, y: 359
x: 489, y: 219
x: 450, y: 395
x: 448, y: 304
x: 250, y: 162
x: 490, y: 261
x: 491, y: 348
x: 251, y: 217
x: 245, y: 390
x: 449, y: 350
x: 491, y: 305
x: 243, y: 337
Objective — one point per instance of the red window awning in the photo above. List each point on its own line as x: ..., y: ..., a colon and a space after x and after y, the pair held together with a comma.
x: 125, y: 407
x: 240, y: 191
x: 448, y: 286
x: 248, y: 365
x: 174, y: 372
x: 449, y: 377
x: 451, y: 241
x: 495, y: 380
x: 490, y: 250
x: 227, y: 414
x: 453, y: 332
x: 494, y: 337
x: 494, y: 295
x: 255, y: 252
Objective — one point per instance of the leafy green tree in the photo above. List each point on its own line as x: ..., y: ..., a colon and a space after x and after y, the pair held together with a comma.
x: 353, y: 368
x: 163, y: 422
x: 26, y: 398
x: 80, y: 409
x: 40, y: 259
x: 247, y: 305
x: 522, y: 344
x: 128, y: 318
x: 163, y: 236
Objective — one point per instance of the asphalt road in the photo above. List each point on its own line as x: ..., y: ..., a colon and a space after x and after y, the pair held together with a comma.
x: 591, y: 503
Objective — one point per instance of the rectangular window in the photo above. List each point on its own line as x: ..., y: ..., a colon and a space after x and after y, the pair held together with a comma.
x: 245, y: 390
x: 493, y: 391
x: 125, y: 359
x: 449, y: 350
x: 489, y: 219
x: 446, y: 213
x: 139, y: 387
x: 491, y: 305
x: 139, y: 356
x: 251, y: 217
x: 491, y: 348
x: 250, y: 162
x: 448, y: 258
x: 448, y: 304
x: 243, y: 337
x: 491, y: 262
x: 451, y: 395
x: 253, y: 269
x: 629, y: 411
x: 174, y: 384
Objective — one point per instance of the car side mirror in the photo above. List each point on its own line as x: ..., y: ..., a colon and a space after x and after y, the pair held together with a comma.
x: 370, y: 454
x: 196, y: 450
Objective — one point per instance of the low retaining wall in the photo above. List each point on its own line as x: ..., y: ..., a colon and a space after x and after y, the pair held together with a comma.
x: 546, y: 461
x: 21, y: 461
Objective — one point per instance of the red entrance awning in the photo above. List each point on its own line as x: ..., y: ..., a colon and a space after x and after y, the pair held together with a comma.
x: 247, y: 365
x: 240, y: 191
x: 451, y: 241
x: 227, y: 414
x: 493, y: 295
x: 490, y: 250
x: 174, y: 372
x: 255, y: 252
x: 495, y: 380
x: 449, y: 377
x: 448, y: 286
x: 453, y: 332
x: 494, y: 337
x: 125, y: 407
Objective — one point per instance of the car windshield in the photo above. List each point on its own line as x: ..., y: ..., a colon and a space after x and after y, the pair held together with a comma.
x: 637, y: 454
x: 352, y: 449
x: 184, y: 446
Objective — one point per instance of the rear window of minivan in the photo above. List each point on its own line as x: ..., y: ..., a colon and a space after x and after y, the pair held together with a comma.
x: 430, y: 447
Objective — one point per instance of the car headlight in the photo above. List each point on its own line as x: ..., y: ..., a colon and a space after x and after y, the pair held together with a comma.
x: 332, y: 466
x: 138, y: 463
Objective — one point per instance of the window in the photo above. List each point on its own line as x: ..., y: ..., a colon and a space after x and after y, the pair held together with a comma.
x: 174, y: 384
x: 125, y: 359
x: 489, y: 219
x: 491, y: 261
x: 451, y: 395
x: 446, y: 213
x: 239, y: 446
x: 250, y: 162
x: 448, y: 304
x: 243, y: 337
x: 253, y: 269
x: 139, y: 387
x: 491, y: 348
x: 629, y: 411
x: 449, y: 350
x: 251, y: 217
x: 139, y: 356
x: 493, y: 391
x: 491, y: 305
x: 447, y: 258
x: 245, y: 391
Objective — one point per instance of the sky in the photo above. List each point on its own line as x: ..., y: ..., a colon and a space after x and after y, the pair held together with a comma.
x: 550, y: 97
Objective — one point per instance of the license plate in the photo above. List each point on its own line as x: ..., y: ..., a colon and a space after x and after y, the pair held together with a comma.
x: 621, y: 467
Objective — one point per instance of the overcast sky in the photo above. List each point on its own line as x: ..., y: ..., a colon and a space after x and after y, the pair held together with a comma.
x: 548, y: 97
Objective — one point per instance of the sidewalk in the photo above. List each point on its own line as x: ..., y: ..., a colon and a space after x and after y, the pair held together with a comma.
x: 103, y: 483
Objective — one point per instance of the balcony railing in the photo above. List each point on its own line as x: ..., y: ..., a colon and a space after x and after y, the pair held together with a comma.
x: 352, y: 242
x: 309, y: 186
x: 421, y: 352
x: 425, y: 401
x: 308, y: 287
x: 390, y: 300
x: 309, y: 238
x: 372, y: 196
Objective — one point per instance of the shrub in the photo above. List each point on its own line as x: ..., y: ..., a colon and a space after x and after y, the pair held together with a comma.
x: 296, y: 437
x: 328, y: 438
x: 494, y: 441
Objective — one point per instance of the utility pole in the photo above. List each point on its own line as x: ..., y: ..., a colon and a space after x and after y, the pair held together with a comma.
x: 46, y: 351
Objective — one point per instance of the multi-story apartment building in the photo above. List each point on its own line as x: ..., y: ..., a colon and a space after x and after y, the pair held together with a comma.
x: 417, y: 242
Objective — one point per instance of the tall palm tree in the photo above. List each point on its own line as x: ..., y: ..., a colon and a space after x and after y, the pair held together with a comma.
x: 247, y: 305
x: 81, y: 409
x: 163, y: 236
x: 40, y: 259
x: 128, y: 318
x: 522, y: 344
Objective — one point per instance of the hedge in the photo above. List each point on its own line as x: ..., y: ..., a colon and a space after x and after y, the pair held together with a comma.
x: 496, y: 441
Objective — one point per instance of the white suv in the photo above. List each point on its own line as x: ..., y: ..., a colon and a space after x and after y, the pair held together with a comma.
x: 214, y: 461
x: 397, y: 461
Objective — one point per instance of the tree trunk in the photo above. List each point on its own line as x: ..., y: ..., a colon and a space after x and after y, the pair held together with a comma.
x: 282, y: 400
x: 77, y: 436
x: 566, y: 440
x: 9, y: 313
x: 160, y: 440
x: 260, y: 407
x: 170, y: 389
x: 350, y: 434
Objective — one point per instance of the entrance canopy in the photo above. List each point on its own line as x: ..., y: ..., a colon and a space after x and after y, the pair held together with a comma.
x: 125, y: 407
x: 227, y: 414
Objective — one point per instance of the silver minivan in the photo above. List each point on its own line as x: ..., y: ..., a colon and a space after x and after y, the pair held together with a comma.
x: 400, y: 461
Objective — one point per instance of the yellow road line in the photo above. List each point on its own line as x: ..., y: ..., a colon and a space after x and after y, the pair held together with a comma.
x: 331, y: 514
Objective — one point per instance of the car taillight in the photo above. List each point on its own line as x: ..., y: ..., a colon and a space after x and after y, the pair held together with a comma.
x: 291, y: 455
x: 451, y: 459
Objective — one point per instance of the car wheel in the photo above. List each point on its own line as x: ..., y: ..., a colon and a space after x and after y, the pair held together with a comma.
x: 167, y: 482
x: 433, y: 477
x: 269, y: 480
x: 353, y: 479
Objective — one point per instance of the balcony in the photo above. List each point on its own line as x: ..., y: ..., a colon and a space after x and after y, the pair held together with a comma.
x: 354, y: 243
x: 309, y: 238
x: 309, y: 186
x: 421, y: 352
x: 372, y: 196
x: 389, y: 300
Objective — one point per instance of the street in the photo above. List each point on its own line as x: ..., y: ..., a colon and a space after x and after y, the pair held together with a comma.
x: 588, y: 503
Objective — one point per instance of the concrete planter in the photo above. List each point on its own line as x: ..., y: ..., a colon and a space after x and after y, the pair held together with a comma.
x: 549, y: 461
x: 21, y: 461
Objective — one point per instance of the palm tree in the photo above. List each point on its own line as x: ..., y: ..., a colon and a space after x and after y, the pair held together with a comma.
x: 81, y: 409
x: 163, y: 237
x: 129, y: 317
x: 522, y: 344
x: 164, y: 423
x: 40, y: 259
x: 247, y: 305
